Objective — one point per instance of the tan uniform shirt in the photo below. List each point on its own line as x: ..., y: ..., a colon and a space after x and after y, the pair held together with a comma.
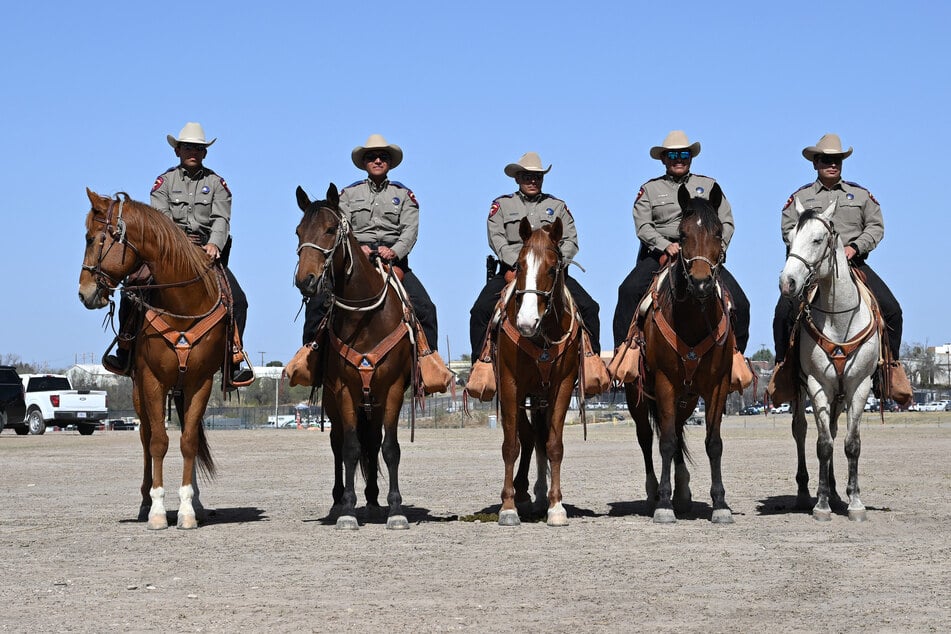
x: 386, y: 215
x: 858, y: 216
x: 657, y: 213
x: 199, y: 204
x: 506, y: 214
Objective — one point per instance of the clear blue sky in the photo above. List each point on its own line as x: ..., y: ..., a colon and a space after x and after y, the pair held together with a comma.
x: 89, y: 91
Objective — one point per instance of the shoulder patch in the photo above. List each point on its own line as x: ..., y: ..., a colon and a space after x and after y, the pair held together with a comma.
x: 792, y: 196
x: 409, y: 192
x: 157, y: 184
x: 640, y: 193
x: 494, y: 209
x: 568, y: 211
x: 225, y: 185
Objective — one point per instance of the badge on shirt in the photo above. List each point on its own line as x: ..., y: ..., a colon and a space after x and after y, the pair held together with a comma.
x: 494, y: 209
x: 158, y: 183
x: 699, y: 191
x: 850, y: 196
x: 396, y: 200
x: 205, y: 189
x: 550, y: 211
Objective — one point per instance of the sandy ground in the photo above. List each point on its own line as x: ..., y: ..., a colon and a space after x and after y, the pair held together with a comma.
x: 268, y: 559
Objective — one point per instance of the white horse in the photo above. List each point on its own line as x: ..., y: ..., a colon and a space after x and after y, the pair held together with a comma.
x: 839, y: 350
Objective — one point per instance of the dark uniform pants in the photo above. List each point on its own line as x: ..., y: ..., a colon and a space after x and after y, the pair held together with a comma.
x: 481, y: 312
x: 635, y: 286
x: 785, y: 314
x: 422, y: 305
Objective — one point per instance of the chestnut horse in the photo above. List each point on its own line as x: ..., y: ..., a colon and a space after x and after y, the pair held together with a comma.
x: 688, y: 347
x: 538, y: 347
x: 180, y: 346
x: 838, y: 351
x: 368, y: 356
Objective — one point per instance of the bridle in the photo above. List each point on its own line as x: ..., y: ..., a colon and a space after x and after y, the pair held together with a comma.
x: 687, y: 262
x: 115, y: 228
x: 327, y: 281
x: 547, y: 295
x: 828, y: 251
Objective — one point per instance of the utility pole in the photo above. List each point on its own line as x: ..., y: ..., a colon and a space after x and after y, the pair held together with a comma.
x: 261, y: 352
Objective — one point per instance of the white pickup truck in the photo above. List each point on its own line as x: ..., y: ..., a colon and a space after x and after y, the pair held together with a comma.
x: 51, y: 401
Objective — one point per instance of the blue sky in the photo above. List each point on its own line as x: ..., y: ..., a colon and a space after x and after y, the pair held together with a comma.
x: 90, y: 90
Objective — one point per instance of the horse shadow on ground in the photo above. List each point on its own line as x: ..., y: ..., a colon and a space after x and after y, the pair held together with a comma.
x: 235, y: 515
x: 786, y: 505
x: 644, y: 508
x: 378, y: 515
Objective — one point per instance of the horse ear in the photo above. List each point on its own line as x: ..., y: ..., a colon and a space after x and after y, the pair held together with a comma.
x: 683, y: 197
x: 303, y: 201
x: 716, y: 196
x: 333, y: 196
x: 99, y: 203
x: 524, y: 229
x: 799, y: 207
x: 827, y: 214
x: 556, y: 230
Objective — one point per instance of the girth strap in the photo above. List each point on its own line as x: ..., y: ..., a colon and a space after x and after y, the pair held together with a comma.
x: 182, y: 341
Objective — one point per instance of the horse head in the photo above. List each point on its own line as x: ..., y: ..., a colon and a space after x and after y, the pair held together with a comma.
x: 813, y: 244
x: 539, y: 273
x: 702, y: 249
x: 320, y: 232
x: 109, y: 257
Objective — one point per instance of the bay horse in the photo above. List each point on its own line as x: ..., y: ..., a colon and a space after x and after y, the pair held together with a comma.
x: 688, y: 345
x: 180, y: 346
x: 538, y: 353
x: 839, y: 351
x: 368, y: 356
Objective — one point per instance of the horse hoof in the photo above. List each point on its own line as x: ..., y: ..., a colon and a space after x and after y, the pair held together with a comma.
x: 822, y: 515
x: 509, y: 518
x: 187, y: 522
x: 557, y: 517
x: 157, y: 522
x: 397, y: 523
x: 664, y: 516
x: 858, y: 515
x: 722, y: 516
x: 144, y: 513
x: 347, y: 523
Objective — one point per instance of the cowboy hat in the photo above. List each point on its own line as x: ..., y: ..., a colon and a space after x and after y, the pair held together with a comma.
x: 191, y: 133
x: 530, y: 162
x: 377, y: 142
x: 676, y: 140
x: 828, y: 144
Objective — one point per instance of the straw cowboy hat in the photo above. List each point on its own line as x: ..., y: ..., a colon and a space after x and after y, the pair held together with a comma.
x: 377, y: 142
x: 676, y: 140
x: 530, y: 162
x: 828, y: 144
x: 191, y: 133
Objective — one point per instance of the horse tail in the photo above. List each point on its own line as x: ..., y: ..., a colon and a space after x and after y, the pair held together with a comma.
x: 206, y: 464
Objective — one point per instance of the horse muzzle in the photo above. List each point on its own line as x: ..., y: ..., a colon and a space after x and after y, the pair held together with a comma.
x: 93, y: 296
x: 308, y: 286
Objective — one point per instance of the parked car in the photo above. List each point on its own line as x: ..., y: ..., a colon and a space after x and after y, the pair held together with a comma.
x: 12, y: 400
x: 781, y: 409
x: 934, y: 406
x: 751, y: 410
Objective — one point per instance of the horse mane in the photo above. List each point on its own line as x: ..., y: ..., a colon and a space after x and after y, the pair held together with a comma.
x: 178, y: 251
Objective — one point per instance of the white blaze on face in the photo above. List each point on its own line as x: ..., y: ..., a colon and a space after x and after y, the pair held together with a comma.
x: 528, y: 317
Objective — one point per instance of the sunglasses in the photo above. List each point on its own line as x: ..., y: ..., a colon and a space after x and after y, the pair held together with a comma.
x: 675, y: 155
x: 830, y: 159
x: 372, y: 156
x: 190, y: 146
x: 530, y: 176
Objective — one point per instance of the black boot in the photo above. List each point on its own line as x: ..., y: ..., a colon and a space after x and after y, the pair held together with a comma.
x: 118, y: 363
x: 240, y: 373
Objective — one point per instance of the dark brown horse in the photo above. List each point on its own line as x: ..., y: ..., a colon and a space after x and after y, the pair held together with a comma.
x: 179, y: 348
x: 538, y: 354
x: 688, y: 347
x: 367, y: 356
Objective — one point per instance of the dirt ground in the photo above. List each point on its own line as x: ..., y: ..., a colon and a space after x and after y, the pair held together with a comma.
x: 75, y: 560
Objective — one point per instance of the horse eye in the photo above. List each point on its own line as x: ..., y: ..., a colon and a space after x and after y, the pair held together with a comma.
x: 552, y: 271
x: 88, y: 240
x: 332, y: 230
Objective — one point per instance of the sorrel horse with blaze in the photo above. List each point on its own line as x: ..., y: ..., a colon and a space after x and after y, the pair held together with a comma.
x: 538, y: 352
x: 185, y: 308
x: 688, y: 347
x: 368, y: 356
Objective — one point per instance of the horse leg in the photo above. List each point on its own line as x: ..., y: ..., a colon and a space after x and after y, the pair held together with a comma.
x: 152, y: 401
x: 540, y: 434
x: 526, y: 438
x: 666, y: 413
x: 350, y: 455
x: 822, y: 511
x: 799, y: 426
x: 193, y: 403
x: 555, y: 450
x: 145, y: 437
x: 336, y: 446
x: 853, y: 447
x: 508, y: 515
x: 371, y: 439
x: 683, y: 498
x: 645, y: 438
x: 837, y: 407
x: 396, y: 520
x: 714, y: 445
